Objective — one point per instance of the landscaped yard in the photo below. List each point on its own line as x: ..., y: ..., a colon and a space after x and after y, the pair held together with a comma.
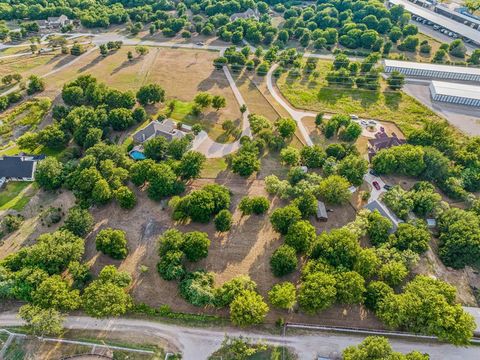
x: 315, y: 95
x: 13, y: 196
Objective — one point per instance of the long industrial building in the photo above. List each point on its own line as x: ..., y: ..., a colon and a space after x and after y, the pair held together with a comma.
x: 455, y: 93
x: 466, y: 31
x: 433, y: 71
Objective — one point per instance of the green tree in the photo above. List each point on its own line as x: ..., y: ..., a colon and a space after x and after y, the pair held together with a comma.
x: 283, y: 296
x: 197, y: 288
x: 378, y: 348
x: 225, y: 294
x: 353, y: 168
x: 218, y: 102
x: 334, y: 189
x: 339, y: 247
x: 286, y: 127
x: 79, y: 221
x: 378, y: 228
x: 300, y: 236
x: 282, y: 218
x: 195, y: 245
x: 396, y: 80
x: 150, y: 94
x: 393, y: 273
x: 104, y: 298
x: 283, y: 261
x: 42, y: 322
x: 203, y: 99
x: 35, y: 85
x: 312, y: 156
x: 350, y: 287
x: 125, y: 197
x: 248, y: 308
x: 120, y: 119
x: 49, y: 173
x: 223, y: 220
x: 317, y: 292
x: 376, y: 292
x: 191, y: 165
x: 290, y: 156
x: 112, y: 242
x: 54, y: 292
x: 156, y: 148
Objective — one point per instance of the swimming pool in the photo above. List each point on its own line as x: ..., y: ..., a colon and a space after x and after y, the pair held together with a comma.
x: 137, y: 155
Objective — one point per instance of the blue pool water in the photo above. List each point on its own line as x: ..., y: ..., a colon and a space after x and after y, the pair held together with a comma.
x: 137, y: 155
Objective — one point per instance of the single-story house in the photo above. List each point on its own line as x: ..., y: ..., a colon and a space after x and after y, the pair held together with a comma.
x: 385, y: 212
x: 248, y: 14
x: 383, y: 141
x: 19, y: 167
x: 322, y: 213
x: 166, y: 128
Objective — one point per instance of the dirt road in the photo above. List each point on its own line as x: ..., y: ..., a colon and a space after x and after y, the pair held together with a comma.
x: 199, y: 343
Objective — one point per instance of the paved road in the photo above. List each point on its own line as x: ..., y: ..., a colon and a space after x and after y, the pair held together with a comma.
x: 296, y: 115
x: 198, y: 343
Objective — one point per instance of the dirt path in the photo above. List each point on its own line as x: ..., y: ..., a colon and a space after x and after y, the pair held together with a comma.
x: 199, y: 343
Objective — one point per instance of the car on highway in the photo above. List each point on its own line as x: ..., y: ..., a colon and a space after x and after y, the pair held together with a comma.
x: 376, y: 185
x: 200, y: 43
x: 372, y: 122
x: 363, y: 122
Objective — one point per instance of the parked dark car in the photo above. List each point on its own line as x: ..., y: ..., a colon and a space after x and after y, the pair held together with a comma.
x: 387, y: 187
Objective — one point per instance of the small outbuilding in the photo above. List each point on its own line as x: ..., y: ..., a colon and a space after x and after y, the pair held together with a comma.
x: 322, y: 213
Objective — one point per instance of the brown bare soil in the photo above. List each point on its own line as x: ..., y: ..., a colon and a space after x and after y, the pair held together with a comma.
x: 246, y: 249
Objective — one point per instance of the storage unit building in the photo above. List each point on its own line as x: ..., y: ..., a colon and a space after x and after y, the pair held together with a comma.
x: 454, y: 93
x: 433, y: 71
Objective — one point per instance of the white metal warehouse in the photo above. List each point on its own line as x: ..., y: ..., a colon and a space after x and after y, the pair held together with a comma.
x: 429, y: 70
x: 455, y: 93
x: 447, y: 23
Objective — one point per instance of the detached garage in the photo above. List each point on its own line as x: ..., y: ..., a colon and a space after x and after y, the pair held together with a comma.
x: 455, y: 93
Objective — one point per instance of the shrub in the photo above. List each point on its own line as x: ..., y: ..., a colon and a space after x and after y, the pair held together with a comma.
x: 223, y: 220
x: 197, y: 288
x: 112, y: 242
x: 283, y: 261
x: 283, y: 295
x: 248, y: 308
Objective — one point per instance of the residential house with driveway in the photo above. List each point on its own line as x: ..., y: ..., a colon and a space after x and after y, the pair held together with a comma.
x: 18, y: 167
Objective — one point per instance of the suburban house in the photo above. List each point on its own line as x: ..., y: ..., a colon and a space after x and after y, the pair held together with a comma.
x: 322, y: 213
x: 18, y: 167
x: 383, y: 141
x: 385, y: 212
x: 166, y: 128
x: 54, y: 22
x: 248, y: 14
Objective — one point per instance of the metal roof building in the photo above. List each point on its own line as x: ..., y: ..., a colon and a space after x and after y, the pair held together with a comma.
x: 452, y: 25
x: 429, y: 70
x: 455, y: 93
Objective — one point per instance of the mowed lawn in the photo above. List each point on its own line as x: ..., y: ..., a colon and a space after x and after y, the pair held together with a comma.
x: 315, y: 95
x: 13, y: 196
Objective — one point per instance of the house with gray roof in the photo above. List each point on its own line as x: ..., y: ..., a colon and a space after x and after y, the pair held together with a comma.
x: 18, y: 167
x: 248, y: 14
x: 385, y: 212
x: 166, y: 128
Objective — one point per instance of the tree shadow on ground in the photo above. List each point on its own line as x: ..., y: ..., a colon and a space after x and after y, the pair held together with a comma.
x: 392, y: 100
x: 91, y: 64
x: 125, y: 64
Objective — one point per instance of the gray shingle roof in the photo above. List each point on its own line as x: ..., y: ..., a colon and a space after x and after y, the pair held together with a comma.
x: 166, y: 128
x: 17, y: 166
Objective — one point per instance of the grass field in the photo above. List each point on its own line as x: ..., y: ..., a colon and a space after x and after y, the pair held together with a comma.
x: 181, y: 72
x: 25, y: 63
x: 315, y: 95
x: 13, y: 196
